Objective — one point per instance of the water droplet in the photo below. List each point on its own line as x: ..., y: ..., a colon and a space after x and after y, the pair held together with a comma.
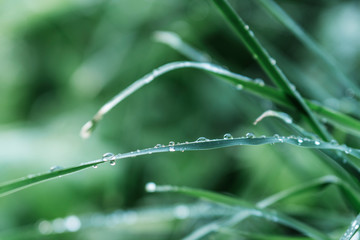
x: 260, y: 82
x: 292, y: 86
x: 171, y: 149
x: 250, y: 135
x: 112, y: 162
x: 272, y: 61
x: 150, y: 187
x: 107, y: 156
x: 202, y: 139
x: 334, y: 142
x: 72, y: 223
x: 55, y: 168
x: 239, y: 87
x: 228, y: 136
x: 182, y: 212
x: 251, y: 33
x: 300, y: 141
x: 276, y: 136
x: 158, y: 145
x: 95, y: 166
x: 171, y: 143
x: 317, y: 143
x: 247, y: 27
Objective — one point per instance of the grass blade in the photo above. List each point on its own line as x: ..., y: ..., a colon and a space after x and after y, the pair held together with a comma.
x: 270, y: 215
x: 240, y: 81
x: 278, y: 13
x: 350, y: 194
x: 206, y: 144
x: 354, y: 227
x: 268, y: 64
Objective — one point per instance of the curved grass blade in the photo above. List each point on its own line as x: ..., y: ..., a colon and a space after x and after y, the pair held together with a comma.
x: 243, y: 81
x: 205, y: 144
x: 276, y: 11
x: 337, y: 161
x: 268, y: 64
x: 174, y: 41
x: 350, y: 194
x: 240, y: 205
x: 240, y: 81
x: 354, y: 227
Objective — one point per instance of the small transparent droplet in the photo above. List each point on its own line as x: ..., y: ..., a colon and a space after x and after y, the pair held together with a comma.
x: 158, y: 145
x: 107, y: 156
x: 239, y: 87
x: 247, y: 27
x: 250, y: 135
x: 171, y: 143
x: 228, y: 136
x: 150, y: 187
x: 251, y: 33
x: 95, y: 166
x: 112, y: 162
x: 276, y: 136
x: 334, y: 142
x: 260, y: 82
x: 317, y: 143
x: 182, y: 212
x: 272, y: 61
x: 202, y: 139
x: 300, y: 141
x: 55, y: 168
x: 171, y: 149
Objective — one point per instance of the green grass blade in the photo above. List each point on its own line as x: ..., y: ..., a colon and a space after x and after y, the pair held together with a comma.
x: 351, y: 195
x: 204, y: 144
x: 270, y: 215
x: 340, y: 163
x: 268, y: 64
x: 240, y: 81
x: 353, y: 228
x: 276, y: 11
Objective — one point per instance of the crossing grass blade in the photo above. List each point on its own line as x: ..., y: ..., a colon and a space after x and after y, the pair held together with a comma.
x: 241, y: 205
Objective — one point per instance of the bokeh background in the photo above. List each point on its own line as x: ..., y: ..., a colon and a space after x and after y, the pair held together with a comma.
x: 60, y: 60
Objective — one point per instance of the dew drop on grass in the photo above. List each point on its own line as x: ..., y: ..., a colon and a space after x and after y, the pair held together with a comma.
x: 150, y: 187
x: 250, y: 135
x: 300, y: 141
x: 334, y: 142
x: 171, y: 149
x: 277, y: 136
x: 228, y: 136
x: 259, y: 82
x: 95, y: 166
x: 202, y: 139
x: 247, y: 27
x: 56, y: 168
x: 239, y: 87
x: 171, y: 143
x: 272, y: 61
x: 107, y: 156
x: 317, y: 143
x: 182, y: 212
x: 112, y: 162
x: 158, y: 145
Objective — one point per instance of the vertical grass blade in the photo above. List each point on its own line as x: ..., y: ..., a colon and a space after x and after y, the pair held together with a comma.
x: 276, y: 11
x: 354, y: 227
x: 268, y: 64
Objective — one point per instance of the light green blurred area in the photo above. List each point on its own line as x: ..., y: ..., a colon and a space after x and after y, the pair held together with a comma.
x: 60, y: 60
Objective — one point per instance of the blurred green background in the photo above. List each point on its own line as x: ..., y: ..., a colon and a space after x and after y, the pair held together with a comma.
x: 60, y: 60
